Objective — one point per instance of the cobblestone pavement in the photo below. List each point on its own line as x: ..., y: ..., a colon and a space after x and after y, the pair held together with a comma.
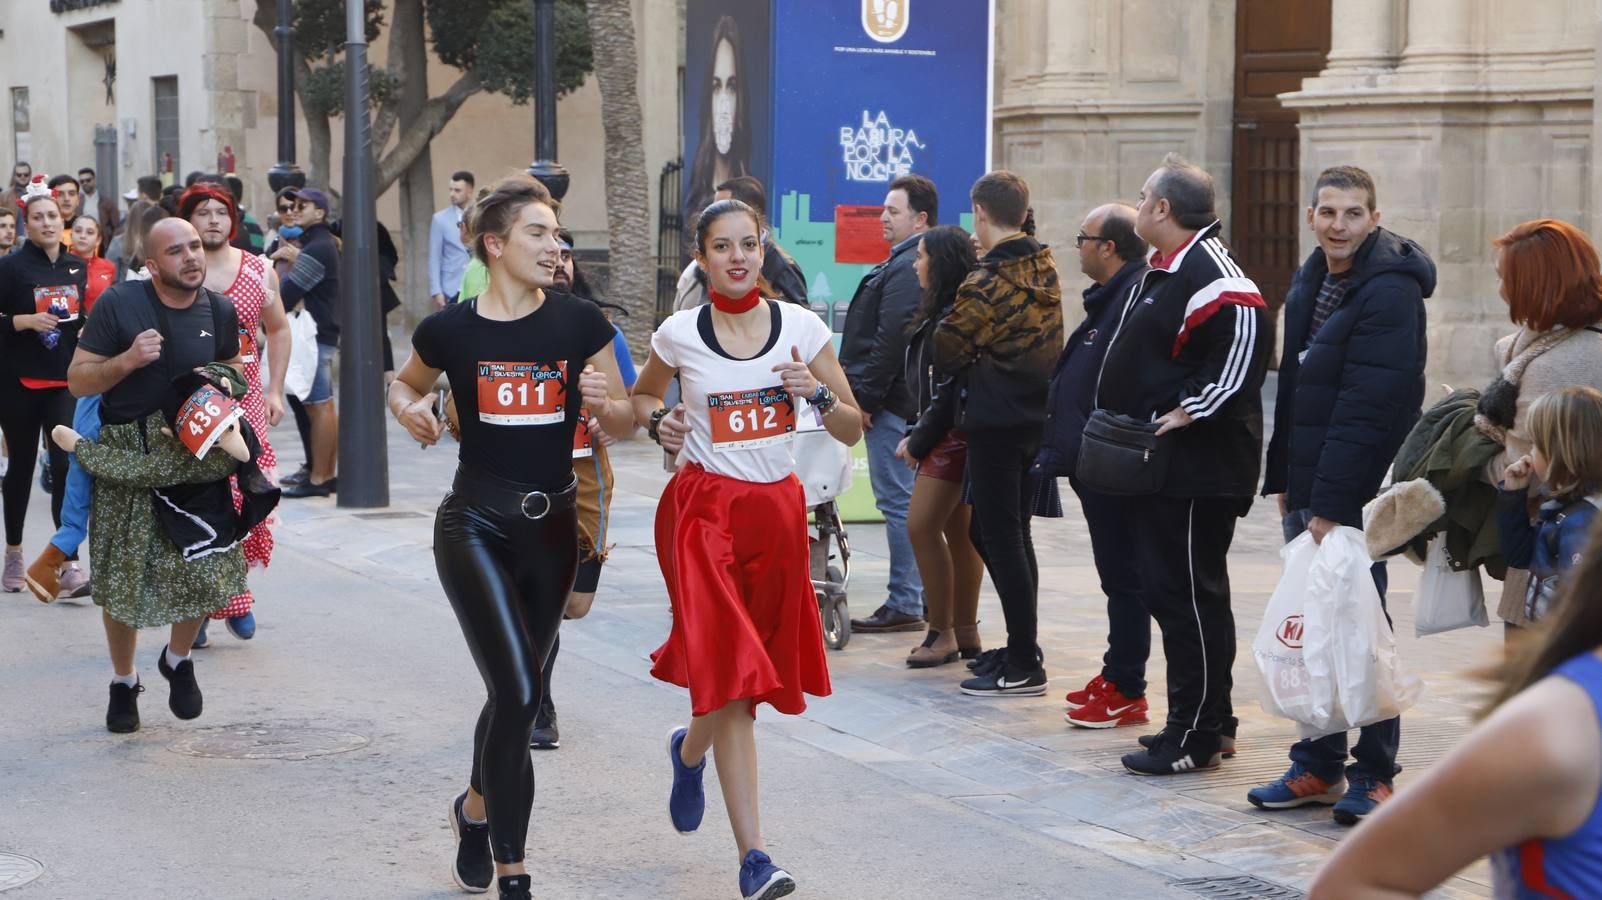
x: 896, y: 786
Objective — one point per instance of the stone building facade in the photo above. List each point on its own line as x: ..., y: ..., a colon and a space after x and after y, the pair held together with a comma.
x: 191, y: 77
x: 1472, y: 115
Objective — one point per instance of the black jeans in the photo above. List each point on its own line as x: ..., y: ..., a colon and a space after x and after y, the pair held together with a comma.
x: 1182, y: 557
x: 1375, y: 753
x: 1003, y: 491
x: 25, y: 414
x: 1113, y: 536
x: 507, y: 577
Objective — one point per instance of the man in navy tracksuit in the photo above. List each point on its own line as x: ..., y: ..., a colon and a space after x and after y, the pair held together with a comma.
x: 1190, y: 354
x: 1351, y: 384
x: 1114, y: 258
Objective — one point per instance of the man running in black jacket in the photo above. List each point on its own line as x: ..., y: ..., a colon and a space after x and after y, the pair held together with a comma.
x: 1190, y: 354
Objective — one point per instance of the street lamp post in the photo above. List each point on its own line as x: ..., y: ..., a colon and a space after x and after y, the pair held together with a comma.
x: 364, y: 451
x: 286, y: 173
x: 545, y: 168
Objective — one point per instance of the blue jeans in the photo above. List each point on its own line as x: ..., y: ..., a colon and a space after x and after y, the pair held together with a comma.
x: 75, y: 506
x: 892, y: 493
x: 322, y: 387
x: 1375, y: 753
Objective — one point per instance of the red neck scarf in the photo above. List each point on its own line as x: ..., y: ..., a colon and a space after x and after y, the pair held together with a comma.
x: 734, y: 305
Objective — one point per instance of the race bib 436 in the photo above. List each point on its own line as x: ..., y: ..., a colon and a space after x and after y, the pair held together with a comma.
x: 522, y: 393
x: 743, y: 420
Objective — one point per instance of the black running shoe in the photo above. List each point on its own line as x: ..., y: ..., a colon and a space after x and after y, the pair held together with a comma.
x: 1168, y: 755
x: 545, y: 735
x: 987, y: 659
x: 1007, y: 681
x: 122, y: 713
x: 517, y: 887
x: 474, y: 868
x: 183, y: 695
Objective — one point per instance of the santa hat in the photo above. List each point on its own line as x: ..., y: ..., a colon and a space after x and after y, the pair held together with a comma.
x: 38, y: 188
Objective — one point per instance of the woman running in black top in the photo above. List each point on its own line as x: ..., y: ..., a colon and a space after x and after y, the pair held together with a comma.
x: 521, y: 360
x: 42, y: 287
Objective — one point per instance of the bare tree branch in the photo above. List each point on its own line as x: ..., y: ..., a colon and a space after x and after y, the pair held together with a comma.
x: 436, y: 113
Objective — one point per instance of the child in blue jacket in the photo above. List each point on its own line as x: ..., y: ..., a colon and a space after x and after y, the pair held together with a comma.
x: 1565, y: 428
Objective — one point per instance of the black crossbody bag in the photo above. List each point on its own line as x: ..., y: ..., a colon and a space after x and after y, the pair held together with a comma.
x: 1119, y: 455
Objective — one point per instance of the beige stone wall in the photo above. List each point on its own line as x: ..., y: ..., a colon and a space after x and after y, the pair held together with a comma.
x: 1090, y: 96
x: 1472, y: 117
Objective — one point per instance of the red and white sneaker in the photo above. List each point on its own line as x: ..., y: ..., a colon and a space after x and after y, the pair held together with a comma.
x: 1110, y: 710
x: 1093, y: 689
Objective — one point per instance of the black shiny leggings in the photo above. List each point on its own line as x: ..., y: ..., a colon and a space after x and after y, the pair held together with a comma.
x: 507, y: 578
x: 25, y: 413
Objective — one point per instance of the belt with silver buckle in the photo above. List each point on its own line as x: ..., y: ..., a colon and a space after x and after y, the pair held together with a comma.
x: 478, y: 487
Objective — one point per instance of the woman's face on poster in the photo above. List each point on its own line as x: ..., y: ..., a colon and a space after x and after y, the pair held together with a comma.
x: 724, y: 99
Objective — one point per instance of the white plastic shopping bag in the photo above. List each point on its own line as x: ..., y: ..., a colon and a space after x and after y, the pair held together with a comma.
x: 1447, y: 599
x: 1277, y: 650
x: 302, y: 367
x: 1349, y: 673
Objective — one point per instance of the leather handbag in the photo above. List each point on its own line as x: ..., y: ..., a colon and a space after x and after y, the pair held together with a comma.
x: 1122, y: 456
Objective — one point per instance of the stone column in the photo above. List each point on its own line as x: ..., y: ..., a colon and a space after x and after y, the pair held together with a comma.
x: 1074, y: 43
x: 1362, y: 36
x: 1440, y: 36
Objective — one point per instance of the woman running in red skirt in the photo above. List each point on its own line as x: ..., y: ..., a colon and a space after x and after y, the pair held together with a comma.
x: 731, y: 528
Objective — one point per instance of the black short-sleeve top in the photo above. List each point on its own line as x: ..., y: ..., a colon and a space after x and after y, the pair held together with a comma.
x: 516, y: 383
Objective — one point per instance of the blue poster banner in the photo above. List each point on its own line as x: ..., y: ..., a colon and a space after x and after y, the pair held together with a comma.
x: 865, y: 91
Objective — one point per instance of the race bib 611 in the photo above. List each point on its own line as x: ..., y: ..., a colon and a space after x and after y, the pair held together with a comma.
x: 522, y: 393
x: 743, y: 420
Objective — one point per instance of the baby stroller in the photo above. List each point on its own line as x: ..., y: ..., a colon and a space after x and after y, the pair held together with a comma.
x: 823, y: 465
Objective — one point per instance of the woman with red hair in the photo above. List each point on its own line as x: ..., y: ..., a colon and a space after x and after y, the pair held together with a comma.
x: 1552, y: 284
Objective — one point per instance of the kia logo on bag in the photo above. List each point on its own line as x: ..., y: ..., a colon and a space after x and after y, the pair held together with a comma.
x: 1290, y: 632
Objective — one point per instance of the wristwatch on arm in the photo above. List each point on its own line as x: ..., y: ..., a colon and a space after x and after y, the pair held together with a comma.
x: 652, y: 428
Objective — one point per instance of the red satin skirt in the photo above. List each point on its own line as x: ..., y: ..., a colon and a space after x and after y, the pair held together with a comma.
x: 745, y: 621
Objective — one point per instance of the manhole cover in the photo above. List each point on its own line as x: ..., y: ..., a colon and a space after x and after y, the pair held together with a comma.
x: 16, y: 871
x: 260, y: 740
x: 1238, y: 887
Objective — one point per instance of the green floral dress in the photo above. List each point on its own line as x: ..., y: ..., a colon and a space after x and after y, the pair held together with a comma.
x: 140, y: 578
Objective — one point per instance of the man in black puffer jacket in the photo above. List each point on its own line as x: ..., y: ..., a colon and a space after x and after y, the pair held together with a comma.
x: 1351, y: 385
x: 1190, y: 355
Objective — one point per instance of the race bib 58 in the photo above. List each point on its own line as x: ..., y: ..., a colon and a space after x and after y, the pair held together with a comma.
x: 743, y: 420
x: 60, y: 300
x: 522, y: 393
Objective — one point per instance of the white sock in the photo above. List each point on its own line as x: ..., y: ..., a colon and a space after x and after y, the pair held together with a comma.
x: 174, y: 659
x: 131, y: 679
x: 472, y: 821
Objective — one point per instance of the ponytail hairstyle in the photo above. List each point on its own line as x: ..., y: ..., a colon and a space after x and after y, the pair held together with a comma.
x: 497, y: 209
x: 731, y: 207
x: 951, y: 258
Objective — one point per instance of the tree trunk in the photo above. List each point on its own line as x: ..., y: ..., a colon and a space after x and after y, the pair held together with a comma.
x: 628, y: 190
x: 408, y: 62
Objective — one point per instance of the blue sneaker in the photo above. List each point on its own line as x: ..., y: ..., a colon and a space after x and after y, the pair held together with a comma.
x: 242, y: 627
x: 1363, y: 796
x: 200, y: 639
x: 687, y: 803
x: 1297, y: 787
x: 760, y: 879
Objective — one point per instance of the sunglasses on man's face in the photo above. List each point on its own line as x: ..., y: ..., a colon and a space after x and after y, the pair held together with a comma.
x: 284, y: 208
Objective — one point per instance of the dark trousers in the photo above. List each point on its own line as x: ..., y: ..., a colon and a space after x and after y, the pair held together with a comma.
x: 1377, y: 744
x: 302, y: 425
x: 1003, y: 495
x: 25, y: 414
x: 1182, y: 557
x: 1113, y: 537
